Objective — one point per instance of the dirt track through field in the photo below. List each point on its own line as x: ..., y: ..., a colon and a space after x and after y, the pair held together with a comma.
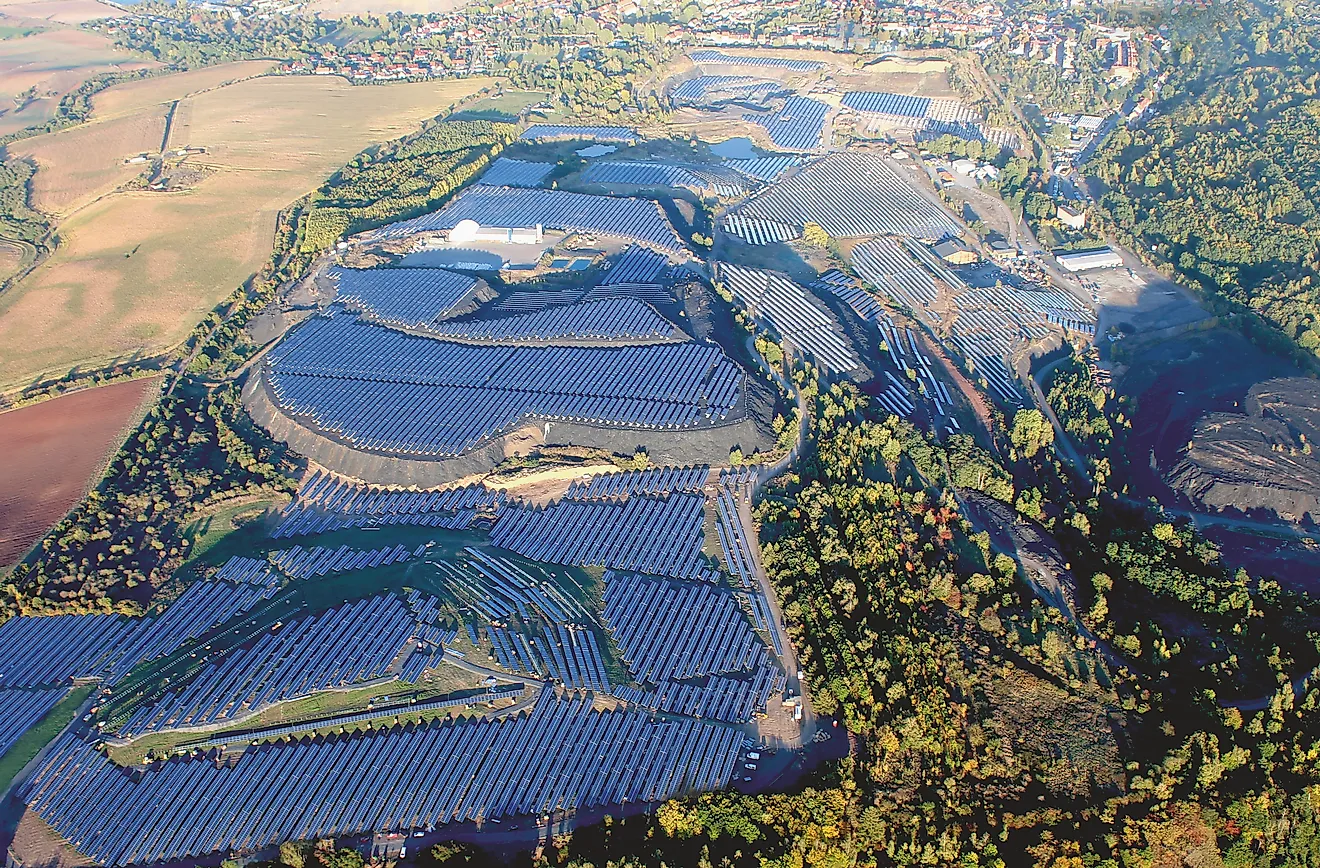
x: 49, y: 452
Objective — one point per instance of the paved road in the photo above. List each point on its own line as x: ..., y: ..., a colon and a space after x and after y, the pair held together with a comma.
x: 452, y: 658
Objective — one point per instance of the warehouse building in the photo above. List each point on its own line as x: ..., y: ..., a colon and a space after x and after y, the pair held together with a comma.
x: 1086, y: 260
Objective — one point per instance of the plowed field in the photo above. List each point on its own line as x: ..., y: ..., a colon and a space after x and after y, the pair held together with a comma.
x: 51, y: 450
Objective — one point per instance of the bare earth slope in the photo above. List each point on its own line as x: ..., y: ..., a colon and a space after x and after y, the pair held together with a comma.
x: 1260, y: 460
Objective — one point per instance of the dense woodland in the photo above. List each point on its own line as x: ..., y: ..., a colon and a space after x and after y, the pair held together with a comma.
x: 405, y: 179
x: 1222, y: 184
x: 989, y: 728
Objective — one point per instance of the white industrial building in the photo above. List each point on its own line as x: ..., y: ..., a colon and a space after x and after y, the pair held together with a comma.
x: 471, y: 232
x: 1087, y: 260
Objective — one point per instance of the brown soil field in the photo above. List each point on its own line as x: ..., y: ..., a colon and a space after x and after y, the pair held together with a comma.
x: 135, y: 271
x: 52, y: 450
x: 11, y: 259
x: 53, y: 62
x: 62, y: 11
x: 80, y: 164
x: 161, y: 90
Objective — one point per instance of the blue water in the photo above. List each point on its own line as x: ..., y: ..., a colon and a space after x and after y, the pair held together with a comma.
x: 735, y: 149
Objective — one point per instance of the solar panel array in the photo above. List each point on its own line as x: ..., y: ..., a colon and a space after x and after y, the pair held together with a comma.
x: 202, y: 606
x: 303, y: 563
x: 793, y: 313
x: 378, y: 389
x: 671, y: 631
x: 635, y: 265
x: 928, y: 118
x: 706, y: 88
x: 327, y: 503
x: 610, y: 319
x: 23, y: 708
x: 567, y: 653
x: 516, y: 207
x: 713, y: 56
x: 901, y: 107
x: 49, y: 650
x: 733, y: 700
x: 760, y: 231
x: 848, y: 195
x: 505, y: 172
x: 879, y: 102
x: 408, y: 297
x: 763, y: 168
x: 660, y: 535
x: 36, y: 651
x: 993, y: 322
x: 886, y: 264
x: 546, y: 132
x: 734, y: 544
x: 563, y: 755
x: 534, y: 300
x: 798, y: 126
x: 353, y: 643
x: 500, y: 591
x: 644, y: 174
x: 862, y: 302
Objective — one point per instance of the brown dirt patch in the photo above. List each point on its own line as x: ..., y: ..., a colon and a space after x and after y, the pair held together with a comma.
x: 36, y: 843
x: 51, y: 451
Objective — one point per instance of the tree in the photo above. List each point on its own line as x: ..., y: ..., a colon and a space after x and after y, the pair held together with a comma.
x: 1031, y: 431
x: 292, y: 854
x: 815, y: 235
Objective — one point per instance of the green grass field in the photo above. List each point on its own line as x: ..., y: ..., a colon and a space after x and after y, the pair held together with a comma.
x: 505, y: 108
x: 230, y: 530
x: 442, y: 681
x: 31, y: 742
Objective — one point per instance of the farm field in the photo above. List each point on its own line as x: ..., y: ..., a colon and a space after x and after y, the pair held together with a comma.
x: 61, y: 11
x: 130, y: 277
x: 161, y: 90
x: 53, y: 62
x: 80, y: 164
x: 51, y: 451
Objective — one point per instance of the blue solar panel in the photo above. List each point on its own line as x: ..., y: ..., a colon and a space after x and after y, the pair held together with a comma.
x: 797, y: 126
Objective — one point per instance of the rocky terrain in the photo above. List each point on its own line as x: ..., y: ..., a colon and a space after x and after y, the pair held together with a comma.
x: 1260, y: 461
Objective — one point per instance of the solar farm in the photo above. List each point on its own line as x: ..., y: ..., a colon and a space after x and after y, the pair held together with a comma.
x: 546, y: 633
x: 791, y: 312
x: 848, y: 195
x: 635, y: 219
x: 711, y: 90
x: 621, y: 663
x: 927, y: 118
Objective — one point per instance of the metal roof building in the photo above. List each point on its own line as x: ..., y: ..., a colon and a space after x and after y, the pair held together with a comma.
x: 1086, y: 260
